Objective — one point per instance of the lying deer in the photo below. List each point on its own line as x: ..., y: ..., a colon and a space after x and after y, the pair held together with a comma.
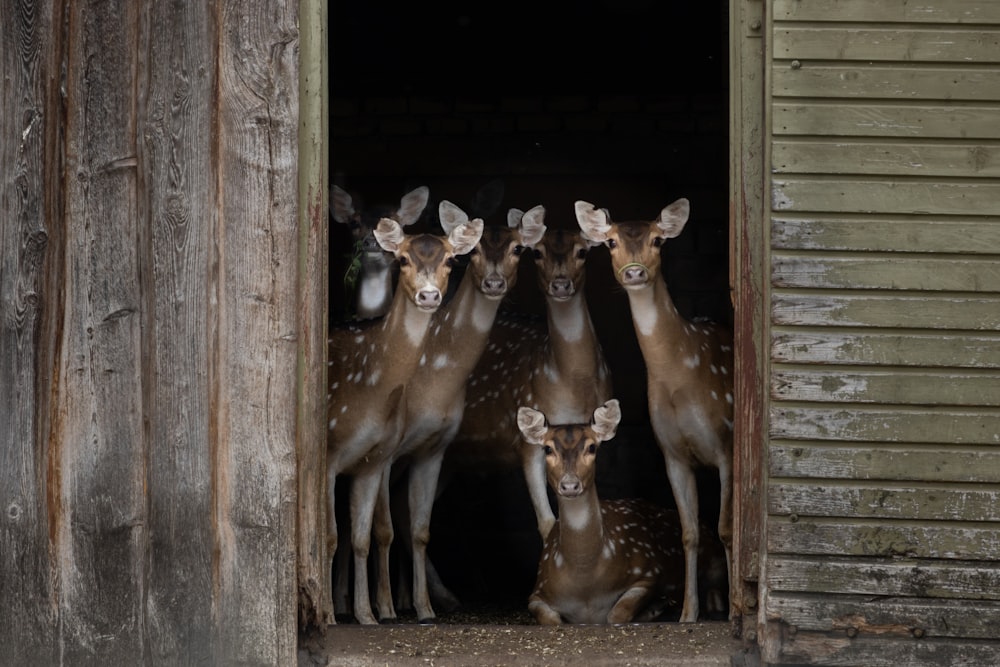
x: 370, y: 366
x: 559, y: 370
x: 436, y: 392
x: 611, y: 561
x: 369, y: 274
x: 689, y: 373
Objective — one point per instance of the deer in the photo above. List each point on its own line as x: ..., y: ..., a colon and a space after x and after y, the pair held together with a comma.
x: 688, y: 373
x: 559, y: 370
x: 436, y: 390
x: 603, y: 562
x: 371, y: 364
x: 370, y: 273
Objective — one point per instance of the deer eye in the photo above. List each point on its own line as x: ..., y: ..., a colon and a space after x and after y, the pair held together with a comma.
x: 450, y: 262
x: 581, y: 253
x: 592, y: 449
x: 657, y: 242
x: 548, y: 450
x: 612, y: 243
x: 518, y: 249
x: 537, y: 254
x: 403, y: 260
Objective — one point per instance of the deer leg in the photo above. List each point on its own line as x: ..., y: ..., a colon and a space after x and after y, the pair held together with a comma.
x: 628, y: 605
x: 533, y: 462
x: 726, y: 518
x: 364, y: 490
x: 543, y: 613
x: 685, y: 488
x: 331, y: 532
x: 383, y: 532
x: 424, y: 475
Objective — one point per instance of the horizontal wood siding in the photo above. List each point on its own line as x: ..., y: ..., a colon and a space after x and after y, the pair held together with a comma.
x: 882, y: 542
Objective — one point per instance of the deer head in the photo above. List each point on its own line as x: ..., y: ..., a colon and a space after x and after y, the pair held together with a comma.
x: 635, y: 246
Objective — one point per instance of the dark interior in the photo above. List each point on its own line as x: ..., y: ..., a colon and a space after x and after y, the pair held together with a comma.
x: 623, y: 103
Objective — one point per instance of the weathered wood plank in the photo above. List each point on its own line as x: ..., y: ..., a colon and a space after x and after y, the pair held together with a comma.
x: 862, y: 81
x: 931, y: 464
x: 101, y: 540
x: 841, y: 195
x: 886, y: 387
x: 883, y: 500
x: 884, y: 234
x: 889, y: 11
x: 877, y: 119
x: 888, y: 272
x: 886, y: 159
x: 877, y: 538
x: 886, y: 310
x: 178, y: 208
x: 906, y: 577
x: 841, y: 650
x: 255, y: 363
x: 29, y: 278
x: 888, y: 349
x: 886, y: 617
x: 906, y: 44
x: 314, y: 585
x: 877, y: 424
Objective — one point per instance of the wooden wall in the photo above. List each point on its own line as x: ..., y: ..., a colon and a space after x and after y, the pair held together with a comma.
x: 883, y: 458
x: 150, y: 332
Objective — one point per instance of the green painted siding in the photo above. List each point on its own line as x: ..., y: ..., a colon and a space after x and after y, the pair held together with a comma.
x: 882, y: 534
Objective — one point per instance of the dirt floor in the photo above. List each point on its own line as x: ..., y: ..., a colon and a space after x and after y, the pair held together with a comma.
x: 484, y: 640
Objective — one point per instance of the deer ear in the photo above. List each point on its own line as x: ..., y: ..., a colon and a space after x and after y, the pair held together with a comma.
x: 465, y: 237
x: 672, y: 218
x: 593, y: 222
x: 389, y: 235
x: 341, y: 203
x: 514, y: 216
x: 532, y: 424
x: 533, y: 226
x: 412, y: 205
x: 606, y: 418
x: 451, y: 216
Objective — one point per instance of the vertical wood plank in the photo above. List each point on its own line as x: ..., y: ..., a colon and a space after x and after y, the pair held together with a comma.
x: 747, y: 275
x: 28, y: 123
x: 314, y: 586
x: 178, y: 207
x: 254, y: 366
x: 101, y: 537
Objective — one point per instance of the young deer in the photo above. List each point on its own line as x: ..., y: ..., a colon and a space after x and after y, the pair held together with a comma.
x: 689, y: 373
x: 560, y: 371
x: 612, y: 561
x: 369, y: 368
x: 370, y: 270
x: 436, y: 391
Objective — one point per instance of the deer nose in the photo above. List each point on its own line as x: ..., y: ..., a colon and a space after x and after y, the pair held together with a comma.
x: 561, y: 287
x: 494, y: 285
x: 570, y: 487
x: 634, y: 274
x: 429, y: 298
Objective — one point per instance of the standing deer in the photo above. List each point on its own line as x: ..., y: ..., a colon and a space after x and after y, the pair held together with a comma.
x: 370, y: 367
x: 436, y: 391
x: 560, y: 371
x: 370, y: 270
x: 689, y: 373
x: 611, y: 561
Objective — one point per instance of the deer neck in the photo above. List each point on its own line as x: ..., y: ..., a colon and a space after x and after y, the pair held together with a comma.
x: 400, y: 341
x: 374, y: 292
x: 659, y: 328
x: 581, y: 529
x: 572, y: 338
x: 458, y: 332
